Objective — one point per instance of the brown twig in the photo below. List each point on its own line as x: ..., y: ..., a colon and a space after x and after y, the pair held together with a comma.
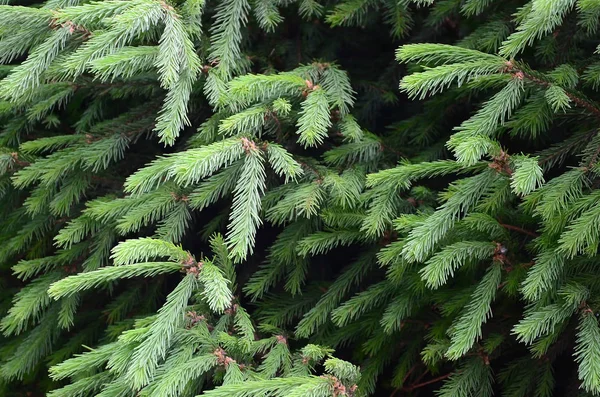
x: 578, y: 101
x: 410, y: 371
x: 421, y: 376
x: 519, y: 229
x: 419, y: 385
x: 389, y: 149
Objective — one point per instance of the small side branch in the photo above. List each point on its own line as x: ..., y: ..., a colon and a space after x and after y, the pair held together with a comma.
x: 429, y: 382
x: 519, y: 229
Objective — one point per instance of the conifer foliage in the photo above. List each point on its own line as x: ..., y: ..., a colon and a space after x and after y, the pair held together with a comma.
x: 237, y: 199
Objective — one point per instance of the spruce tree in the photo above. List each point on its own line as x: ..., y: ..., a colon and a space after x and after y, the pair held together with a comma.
x: 143, y: 145
x: 235, y: 199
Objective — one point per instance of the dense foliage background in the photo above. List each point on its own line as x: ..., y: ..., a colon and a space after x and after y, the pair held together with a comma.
x: 237, y: 199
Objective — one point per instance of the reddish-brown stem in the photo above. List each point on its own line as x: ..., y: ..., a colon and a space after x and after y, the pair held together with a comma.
x: 419, y: 385
x: 19, y: 162
x: 410, y: 371
x: 389, y: 149
x: 421, y: 376
x: 578, y: 101
x: 519, y: 229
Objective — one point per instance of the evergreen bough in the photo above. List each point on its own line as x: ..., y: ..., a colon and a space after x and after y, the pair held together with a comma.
x: 219, y: 199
